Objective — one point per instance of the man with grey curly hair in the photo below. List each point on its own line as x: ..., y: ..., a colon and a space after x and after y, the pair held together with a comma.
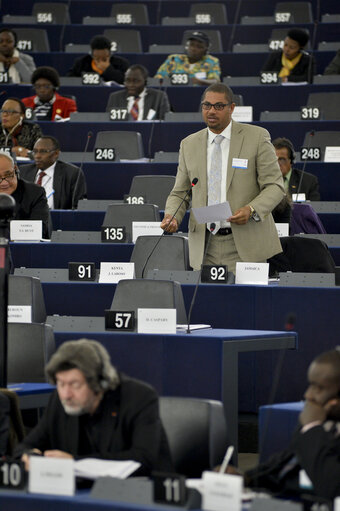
x: 97, y: 412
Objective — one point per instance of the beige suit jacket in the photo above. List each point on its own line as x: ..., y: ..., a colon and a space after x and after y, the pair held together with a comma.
x: 259, y: 185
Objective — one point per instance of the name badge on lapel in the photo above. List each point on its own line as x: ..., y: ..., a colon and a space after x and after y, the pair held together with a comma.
x: 239, y: 163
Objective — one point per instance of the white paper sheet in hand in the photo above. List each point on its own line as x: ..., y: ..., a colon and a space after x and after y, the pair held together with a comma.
x: 92, y: 468
x: 215, y: 213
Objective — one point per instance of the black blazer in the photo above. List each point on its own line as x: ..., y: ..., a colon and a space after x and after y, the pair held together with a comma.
x: 302, y: 72
x: 128, y: 427
x: 67, y: 190
x: 317, y: 451
x: 115, y: 72
x: 31, y: 204
x: 309, y: 184
x: 155, y: 99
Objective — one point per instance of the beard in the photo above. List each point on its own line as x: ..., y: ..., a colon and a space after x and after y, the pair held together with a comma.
x: 73, y: 410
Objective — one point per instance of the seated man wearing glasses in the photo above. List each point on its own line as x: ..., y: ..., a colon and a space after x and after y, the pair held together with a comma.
x: 234, y: 162
x: 30, y: 199
x: 47, y: 104
x: 64, y: 183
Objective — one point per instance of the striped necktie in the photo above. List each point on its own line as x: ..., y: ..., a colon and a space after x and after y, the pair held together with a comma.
x: 135, y: 110
x: 40, y: 177
x: 215, y: 176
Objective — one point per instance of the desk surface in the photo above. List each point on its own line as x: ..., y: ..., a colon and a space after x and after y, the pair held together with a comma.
x: 19, y: 501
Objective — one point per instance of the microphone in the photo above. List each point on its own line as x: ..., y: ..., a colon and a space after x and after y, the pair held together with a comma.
x: 62, y: 32
x: 157, y: 104
x: 311, y: 133
x: 188, y: 192
x: 211, y: 229
x: 73, y: 202
x: 236, y: 17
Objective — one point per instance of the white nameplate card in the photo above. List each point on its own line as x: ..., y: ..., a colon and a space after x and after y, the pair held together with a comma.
x: 252, y: 273
x: 30, y: 230
x: 332, y: 154
x: 221, y: 492
x: 299, y: 197
x: 111, y: 273
x: 53, y: 476
x: 243, y: 114
x: 145, y: 229
x: 282, y: 230
x: 19, y: 314
x: 156, y: 321
x: 239, y: 163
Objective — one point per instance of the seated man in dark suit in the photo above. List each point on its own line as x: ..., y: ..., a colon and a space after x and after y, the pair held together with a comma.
x: 64, y: 183
x: 140, y: 101
x: 30, y: 199
x: 291, y: 176
x: 95, y: 412
x: 315, y: 447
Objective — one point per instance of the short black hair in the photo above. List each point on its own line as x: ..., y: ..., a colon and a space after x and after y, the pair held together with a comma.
x: 11, y: 31
x: 100, y: 42
x: 49, y: 73
x: 220, y: 88
x: 55, y: 141
x: 22, y: 105
x: 139, y: 67
x: 331, y: 357
x: 282, y: 142
x: 299, y: 35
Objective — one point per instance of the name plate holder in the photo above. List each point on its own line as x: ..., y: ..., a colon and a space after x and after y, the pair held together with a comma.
x: 19, y: 313
x: 282, y: 229
x: 51, y: 476
x: 26, y: 230
x: 112, y: 273
x: 156, y: 321
x: 221, y: 492
x: 145, y: 229
x: 332, y: 154
x: 252, y: 273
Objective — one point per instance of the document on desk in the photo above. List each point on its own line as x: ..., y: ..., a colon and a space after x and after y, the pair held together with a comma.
x: 92, y: 468
x: 214, y: 213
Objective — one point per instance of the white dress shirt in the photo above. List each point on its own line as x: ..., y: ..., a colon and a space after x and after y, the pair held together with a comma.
x: 47, y: 183
x: 225, y: 145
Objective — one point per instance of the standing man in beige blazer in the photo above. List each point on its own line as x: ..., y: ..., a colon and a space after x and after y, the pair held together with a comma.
x: 251, y: 181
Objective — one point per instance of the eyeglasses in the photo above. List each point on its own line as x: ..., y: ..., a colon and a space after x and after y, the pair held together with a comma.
x: 217, y: 106
x: 7, y: 178
x: 9, y: 112
x: 283, y: 160
x: 46, y: 87
x: 43, y: 151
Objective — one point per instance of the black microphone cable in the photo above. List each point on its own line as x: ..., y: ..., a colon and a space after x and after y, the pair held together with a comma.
x: 89, y: 136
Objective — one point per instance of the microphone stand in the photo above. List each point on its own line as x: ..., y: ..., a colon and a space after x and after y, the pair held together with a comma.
x: 211, y: 229
x: 73, y: 205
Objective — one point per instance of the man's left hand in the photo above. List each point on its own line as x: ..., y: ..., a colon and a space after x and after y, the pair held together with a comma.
x: 312, y: 412
x: 241, y: 216
x: 55, y: 453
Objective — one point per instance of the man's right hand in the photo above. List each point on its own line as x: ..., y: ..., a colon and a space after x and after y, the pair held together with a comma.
x: 168, y: 226
x: 25, y: 458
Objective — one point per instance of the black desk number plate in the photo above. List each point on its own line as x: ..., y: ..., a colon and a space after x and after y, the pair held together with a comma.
x: 12, y: 475
x: 113, y: 234
x: 214, y: 274
x: 123, y: 321
x: 169, y: 489
x: 81, y: 271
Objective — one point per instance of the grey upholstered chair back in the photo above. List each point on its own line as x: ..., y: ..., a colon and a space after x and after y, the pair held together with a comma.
x: 196, y: 431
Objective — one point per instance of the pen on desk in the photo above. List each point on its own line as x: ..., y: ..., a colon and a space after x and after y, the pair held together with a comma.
x: 50, y: 195
x: 226, y: 459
